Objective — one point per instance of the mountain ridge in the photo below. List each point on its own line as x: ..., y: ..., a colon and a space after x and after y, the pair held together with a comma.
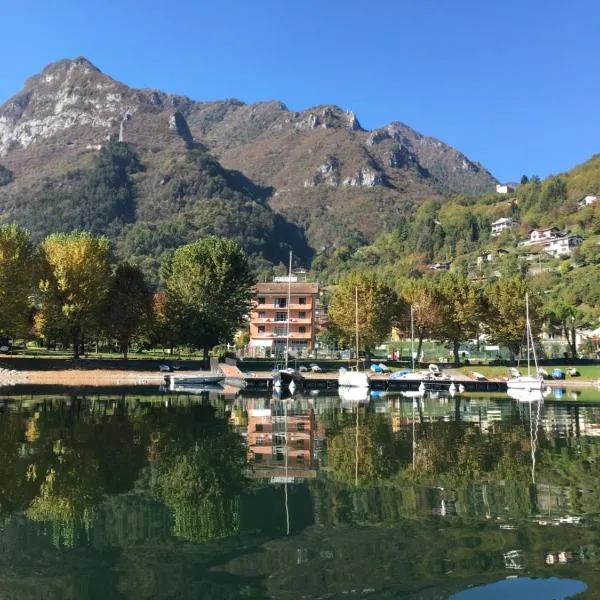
x: 317, y: 169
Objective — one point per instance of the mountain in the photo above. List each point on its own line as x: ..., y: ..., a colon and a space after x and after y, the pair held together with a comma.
x: 269, y: 176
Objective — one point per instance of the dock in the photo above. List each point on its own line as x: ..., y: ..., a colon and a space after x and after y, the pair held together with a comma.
x: 263, y: 381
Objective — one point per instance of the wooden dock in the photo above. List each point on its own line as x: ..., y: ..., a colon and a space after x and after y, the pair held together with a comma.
x: 263, y: 381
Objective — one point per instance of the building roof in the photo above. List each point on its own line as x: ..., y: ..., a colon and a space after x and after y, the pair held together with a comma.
x: 282, y: 288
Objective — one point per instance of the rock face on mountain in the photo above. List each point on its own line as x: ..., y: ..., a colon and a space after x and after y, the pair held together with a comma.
x: 317, y: 170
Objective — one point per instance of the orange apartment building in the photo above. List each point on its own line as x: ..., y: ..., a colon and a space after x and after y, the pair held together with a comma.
x: 269, y: 317
x: 280, y: 434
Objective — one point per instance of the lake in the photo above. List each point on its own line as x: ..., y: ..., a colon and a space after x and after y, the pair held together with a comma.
x: 147, y: 494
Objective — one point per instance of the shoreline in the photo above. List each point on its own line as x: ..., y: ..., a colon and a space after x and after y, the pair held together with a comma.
x: 99, y: 377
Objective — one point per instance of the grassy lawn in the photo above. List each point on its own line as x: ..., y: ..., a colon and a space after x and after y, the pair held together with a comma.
x: 587, y: 372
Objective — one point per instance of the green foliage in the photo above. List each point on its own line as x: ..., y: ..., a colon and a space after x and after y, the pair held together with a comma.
x: 100, y: 200
x: 6, y: 176
x: 208, y: 291
x: 506, y: 322
x: 18, y: 269
x: 74, y: 285
x: 378, y: 308
x: 129, y: 305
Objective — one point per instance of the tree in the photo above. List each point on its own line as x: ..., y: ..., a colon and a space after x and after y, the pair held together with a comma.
x: 422, y: 296
x: 208, y: 291
x: 378, y: 307
x: 18, y: 263
x: 506, y: 322
x: 461, y: 308
x: 129, y: 305
x: 75, y: 284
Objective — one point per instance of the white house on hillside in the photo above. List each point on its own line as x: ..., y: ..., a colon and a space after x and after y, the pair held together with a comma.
x: 587, y: 200
x: 504, y: 188
x: 563, y: 246
x: 501, y: 224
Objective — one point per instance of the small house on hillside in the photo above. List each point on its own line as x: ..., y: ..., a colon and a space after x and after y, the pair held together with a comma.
x: 490, y: 256
x: 542, y: 235
x: 563, y: 246
x: 587, y: 201
x: 504, y: 188
x: 501, y: 224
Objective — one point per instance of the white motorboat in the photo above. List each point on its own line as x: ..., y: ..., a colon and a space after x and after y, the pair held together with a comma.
x: 530, y: 382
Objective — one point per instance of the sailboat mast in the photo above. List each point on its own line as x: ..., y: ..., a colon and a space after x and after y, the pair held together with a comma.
x: 412, y: 336
x: 528, y: 329
x: 289, y: 296
x: 356, y: 314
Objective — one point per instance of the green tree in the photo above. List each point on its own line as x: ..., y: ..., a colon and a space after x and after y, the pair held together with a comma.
x: 18, y: 262
x: 422, y: 296
x: 461, y: 308
x: 129, y: 306
x: 75, y: 284
x: 506, y: 322
x: 378, y: 308
x: 208, y: 291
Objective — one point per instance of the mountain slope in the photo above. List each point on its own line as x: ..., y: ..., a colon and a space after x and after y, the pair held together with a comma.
x: 260, y: 172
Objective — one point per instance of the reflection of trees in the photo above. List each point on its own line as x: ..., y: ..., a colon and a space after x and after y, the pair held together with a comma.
x: 378, y: 454
x: 199, y: 473
x: 14, y: 487
x: 78, y: 457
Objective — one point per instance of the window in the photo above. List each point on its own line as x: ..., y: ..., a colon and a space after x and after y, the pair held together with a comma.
x: 281, y: 302
x: 300, y: 458
x: 299, y: 443
x: 280, y: 331
x: 262, y: 314
x: 258, y: 457
x: 260, y: 441
x: 302, y: 329
x: 279, y: 456
x: 261, y: 300
x: 302, y: 300
x: 281, y: 316
x: 259, y: 427
x: 302, y: 314
x: 300, y: 426
x: 261, y: 329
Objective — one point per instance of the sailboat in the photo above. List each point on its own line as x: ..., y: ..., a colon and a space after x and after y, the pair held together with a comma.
x: 354, y: 378
x: 285, y: 377
x: 527, y: 387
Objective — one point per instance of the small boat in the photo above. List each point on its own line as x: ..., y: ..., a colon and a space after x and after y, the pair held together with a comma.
x: 202, y: 378
x: 348, y: 378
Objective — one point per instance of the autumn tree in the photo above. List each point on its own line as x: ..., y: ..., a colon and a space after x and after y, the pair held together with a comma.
x: 129, y: 305
x: 506, y: 321
x: 18, y: 262
x: 74, y: 285
x: 208, y: 291
x: 378, y: 308
x: 422, y: 296
x: 460, y: 306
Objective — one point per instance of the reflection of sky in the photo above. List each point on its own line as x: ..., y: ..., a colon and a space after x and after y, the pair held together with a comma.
x: 532, y: 589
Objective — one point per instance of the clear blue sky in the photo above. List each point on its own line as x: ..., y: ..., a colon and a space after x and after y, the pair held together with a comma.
x: 511, y: 83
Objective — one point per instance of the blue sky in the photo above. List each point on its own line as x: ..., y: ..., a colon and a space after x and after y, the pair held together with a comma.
x: 511, y: 83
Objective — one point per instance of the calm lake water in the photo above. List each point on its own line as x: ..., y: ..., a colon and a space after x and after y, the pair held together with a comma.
x: 154, y: 495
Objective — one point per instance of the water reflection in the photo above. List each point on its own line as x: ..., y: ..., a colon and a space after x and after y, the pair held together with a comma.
x: 229, y: 496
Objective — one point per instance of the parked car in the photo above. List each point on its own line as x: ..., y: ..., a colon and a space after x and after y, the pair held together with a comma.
x: 558, y: 374
x: 165, y: 368
x: 572, y: 372
x: 315, y: 368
